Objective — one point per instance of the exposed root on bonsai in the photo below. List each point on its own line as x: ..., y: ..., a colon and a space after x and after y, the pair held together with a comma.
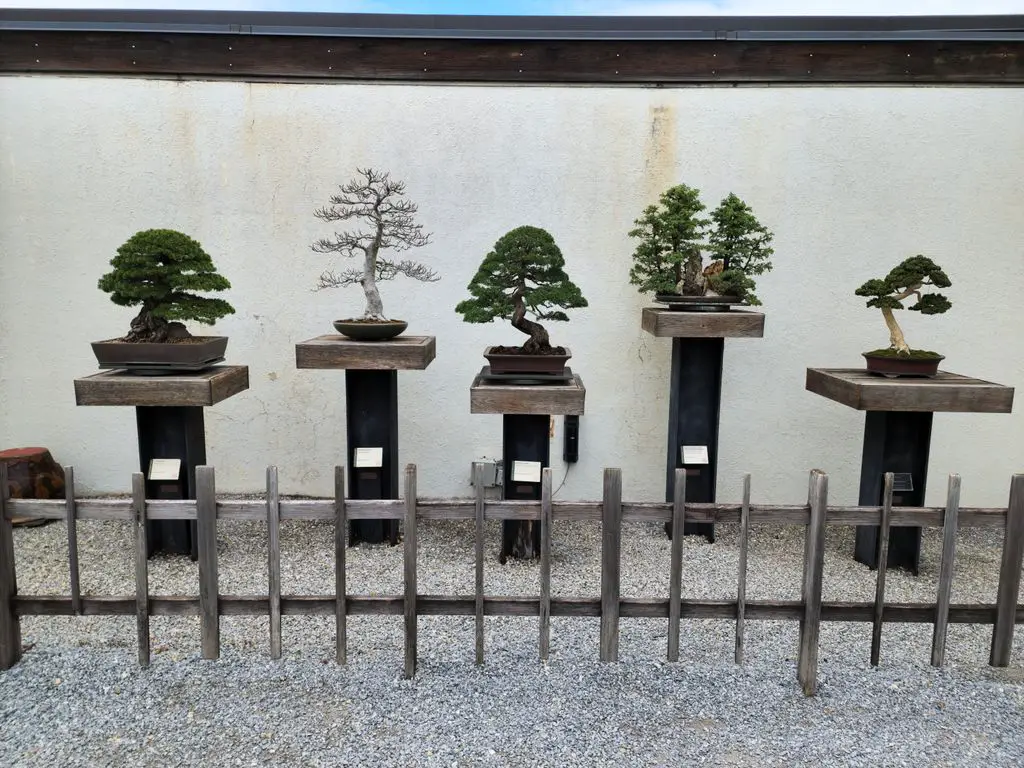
x: 147, y: 327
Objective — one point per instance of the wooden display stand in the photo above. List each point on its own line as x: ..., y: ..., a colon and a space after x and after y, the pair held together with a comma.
x: 695, y: 397
x: 897, y: 438
x: 526, y: 417
x: 371, y: 414
x: 169, y: 419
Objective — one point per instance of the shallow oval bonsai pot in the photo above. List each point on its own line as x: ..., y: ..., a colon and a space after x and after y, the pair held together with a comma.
x: 678, y: 302
x: 370, y: 330
x: 502, y: 360
x: 194, y: 353
x: 887, y: 362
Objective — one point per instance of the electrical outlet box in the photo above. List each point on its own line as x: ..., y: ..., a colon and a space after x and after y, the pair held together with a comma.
x: 493, y: 474
x: 571, y: 440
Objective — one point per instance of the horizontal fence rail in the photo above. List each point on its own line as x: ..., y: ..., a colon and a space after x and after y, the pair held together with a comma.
x: 610, y: 607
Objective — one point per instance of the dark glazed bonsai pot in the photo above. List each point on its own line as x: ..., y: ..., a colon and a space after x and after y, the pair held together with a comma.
x: 370, y: 330
x: 677, y: 302
x: 502, y: 363
x: 198, y: 353
x: 889, y: 365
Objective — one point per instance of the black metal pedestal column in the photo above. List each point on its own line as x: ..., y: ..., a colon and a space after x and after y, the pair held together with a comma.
x: 171, y: 432
x: 524, y: 438
x: 694, y: 404
x: 371, y: 418
x: 894, y: 441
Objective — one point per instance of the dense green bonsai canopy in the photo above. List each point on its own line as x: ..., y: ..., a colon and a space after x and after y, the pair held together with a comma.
x: 159, y: 270
x: 673, y: 237
x: 523, y: 273
x: 903, y: 281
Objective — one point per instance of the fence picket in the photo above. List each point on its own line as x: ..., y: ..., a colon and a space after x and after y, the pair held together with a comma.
x: 814, y: 566
x: 340, y: 587
x: 545, y: 563
x: 10, y: 624
x: 274, y: 561
x: 675, y: 573
x: 883, y: 564
x: 1009, y: 576
x: 946, y: 566
x: 741, y: 586
x: 71, y: 516
x: 141, y: 568
x: 209, y: 581
x: 410, y: 570
x: 611, y: 535
x: 478, y: 483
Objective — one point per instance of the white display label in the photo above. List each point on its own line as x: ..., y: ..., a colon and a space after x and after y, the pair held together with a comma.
x: 526, y: 471
x: 164, y: 469
x: 695, y: 454
x: 369, y: 457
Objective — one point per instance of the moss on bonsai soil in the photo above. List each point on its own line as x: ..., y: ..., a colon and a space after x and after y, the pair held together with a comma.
x: 915, y: 354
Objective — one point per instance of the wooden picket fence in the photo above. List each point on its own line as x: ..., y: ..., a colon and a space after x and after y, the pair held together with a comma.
x: 810, y: 610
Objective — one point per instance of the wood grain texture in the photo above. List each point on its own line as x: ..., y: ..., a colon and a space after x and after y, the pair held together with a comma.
x: 274, y: 560
x: 313, y: 57
x: 543, y: 399
x: 675, y: 573
x: 403, y: 353
x: 141, y: 568
x: 340, y: 569
x: 946, y: 392
x: 71, y: 517
x: 545, y: 563
x: 702, y: 325
x: 814, y: 568
x: 1009, y: 577
x: 478, y: 485
x: 611, y: 536
x: 10, y: 626
x: 209, y: 580
x: 946, y: 570
x: 409, y: 562
x: 195, y: 389
x: 883, y: 565
x: 741, y: 578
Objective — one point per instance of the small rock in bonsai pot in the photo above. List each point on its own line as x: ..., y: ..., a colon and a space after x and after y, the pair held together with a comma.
x: 523, y: 274
x: 159, y: 270
x: 376, y: 199
x: 903, y: 281
x: 669, y: 259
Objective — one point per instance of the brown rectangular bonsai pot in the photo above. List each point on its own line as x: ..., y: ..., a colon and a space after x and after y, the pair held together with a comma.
x: 526, y: 363
x: 202, y: 349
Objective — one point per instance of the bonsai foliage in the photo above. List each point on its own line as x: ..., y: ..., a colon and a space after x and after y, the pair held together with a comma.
x: 375, y: 200
x: 903, y: 281
x: 524, y: 273
x: 673, y: 237
x: 160, y: 270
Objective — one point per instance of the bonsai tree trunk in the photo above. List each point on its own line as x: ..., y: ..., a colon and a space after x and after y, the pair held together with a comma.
x: 692, y: 283
x: 374, y: 305
x: 896, y: 340
x: 538, y: 341
x: 147, y: 327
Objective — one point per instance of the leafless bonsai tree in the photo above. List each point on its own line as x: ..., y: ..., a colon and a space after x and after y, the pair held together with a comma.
x: 377, y: 201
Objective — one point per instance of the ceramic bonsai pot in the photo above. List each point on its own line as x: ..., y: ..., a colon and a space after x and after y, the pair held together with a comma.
x: 501, y: 362
x: 370, y: 330
x: 678, y: 302
x: 193, y: 354
x: 888, y: 364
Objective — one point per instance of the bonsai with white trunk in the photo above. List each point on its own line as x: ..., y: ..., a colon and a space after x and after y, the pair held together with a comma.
x: 386, y: 222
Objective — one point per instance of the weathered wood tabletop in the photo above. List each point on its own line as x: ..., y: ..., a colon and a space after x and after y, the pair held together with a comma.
x: 949, y: 392
x: 736, y: 323
x: 203, y: 388
x: 402, y: 353
x: 541, y: 399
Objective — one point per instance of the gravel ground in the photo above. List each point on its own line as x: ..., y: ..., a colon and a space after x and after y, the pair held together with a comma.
x: 79, y: 698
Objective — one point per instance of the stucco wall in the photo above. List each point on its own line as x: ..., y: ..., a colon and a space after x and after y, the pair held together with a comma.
x: 850, y: 180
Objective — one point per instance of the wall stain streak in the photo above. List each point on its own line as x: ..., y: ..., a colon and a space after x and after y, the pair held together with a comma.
x: 660, y: 151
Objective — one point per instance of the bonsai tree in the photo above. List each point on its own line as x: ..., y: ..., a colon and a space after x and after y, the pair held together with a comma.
x: 159, y: 270
x: 671, y: 234
x: 673, y: 237
x: 903, y: 281
x: 742, y: 248
x: 375, y: 200
x: 523, y: 274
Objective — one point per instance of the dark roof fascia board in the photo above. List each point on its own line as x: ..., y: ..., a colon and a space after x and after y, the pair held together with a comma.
x: 759, y: 28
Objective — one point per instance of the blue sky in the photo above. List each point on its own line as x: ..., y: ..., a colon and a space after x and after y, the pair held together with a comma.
x: 569, y: 7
